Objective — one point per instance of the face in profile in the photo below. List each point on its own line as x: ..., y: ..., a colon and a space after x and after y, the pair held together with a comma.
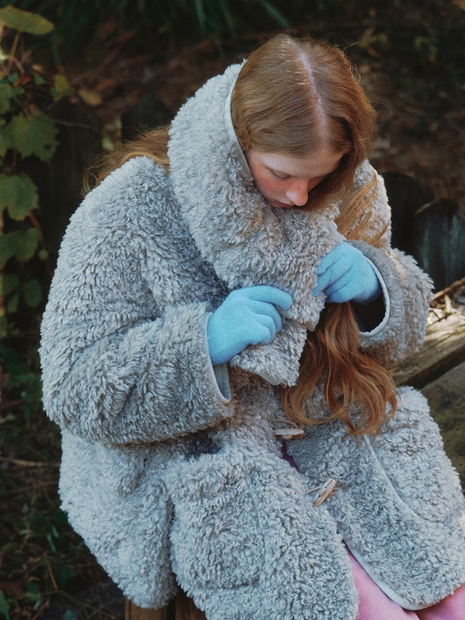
x: 285, y: 181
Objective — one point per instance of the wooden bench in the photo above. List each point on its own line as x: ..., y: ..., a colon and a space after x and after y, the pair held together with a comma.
x: 438, y: 370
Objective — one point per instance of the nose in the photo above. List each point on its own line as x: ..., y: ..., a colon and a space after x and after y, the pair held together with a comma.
x: 297, y: 192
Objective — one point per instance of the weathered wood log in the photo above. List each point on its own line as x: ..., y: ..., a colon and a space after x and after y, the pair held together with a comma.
x: 446, y: 397
x: 132, y: 612
x: 180, y: 608
x: 444, y: 348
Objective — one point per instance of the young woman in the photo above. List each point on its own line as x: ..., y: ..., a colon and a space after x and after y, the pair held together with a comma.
x: 226, y: 275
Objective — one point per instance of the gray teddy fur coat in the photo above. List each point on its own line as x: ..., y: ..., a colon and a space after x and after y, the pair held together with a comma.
x: 171, y: 471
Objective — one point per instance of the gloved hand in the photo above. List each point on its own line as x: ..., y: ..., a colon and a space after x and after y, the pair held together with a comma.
x: 344, y: 274
x: 247, y: 316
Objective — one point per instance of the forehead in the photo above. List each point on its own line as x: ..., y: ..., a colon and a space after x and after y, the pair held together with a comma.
x: 320, y: 164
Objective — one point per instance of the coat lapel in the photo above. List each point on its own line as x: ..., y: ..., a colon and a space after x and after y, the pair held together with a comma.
x: 247, y: 241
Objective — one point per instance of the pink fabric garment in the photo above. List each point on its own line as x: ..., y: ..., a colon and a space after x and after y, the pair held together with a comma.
x: 451, y: 608
x: 375, y: 605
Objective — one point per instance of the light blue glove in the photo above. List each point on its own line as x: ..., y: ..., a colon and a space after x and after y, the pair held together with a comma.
x: 344, y: 274
x: 247, y: 316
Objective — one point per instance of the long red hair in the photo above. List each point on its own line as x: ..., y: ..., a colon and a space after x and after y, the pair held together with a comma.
x: 356, y: 388
x: 294, y: 97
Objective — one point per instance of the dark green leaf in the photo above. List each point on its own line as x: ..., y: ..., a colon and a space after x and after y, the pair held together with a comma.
x: 64, y: 573
x: 3, y: 327
x: 28, y: 242
x: 9, y: 283
x: 22, y: 244
x: 6, y: 93
x: 34, y: 135
x: 200, y: 14
x: 4, y: 606
x: 8, y: 246
x: 61, y: 87
x: 32, y: 293
x: 8, y: 418
x: 23, y: 21
x: 18, y: 194
x: 33, y: 592
x: 5, y: 139
x: 13, y: 303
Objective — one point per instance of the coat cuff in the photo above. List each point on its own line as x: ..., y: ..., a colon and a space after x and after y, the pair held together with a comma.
x: 222, y: 380
x: 407, y: 294
x: 386, y: 306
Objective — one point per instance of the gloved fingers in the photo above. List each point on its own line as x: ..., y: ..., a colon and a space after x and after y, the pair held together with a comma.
x: 261, y: 308
x: 347, y: 281
x: 339, y: 296
x: 262, y: 332
x: 332, y: 274
x: 357, y: 284
x: 340, y: 251
x: 269, y: 294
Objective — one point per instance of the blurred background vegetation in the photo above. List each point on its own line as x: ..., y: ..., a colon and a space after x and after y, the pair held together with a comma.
x: 425, y: 35
x: 419, y: 44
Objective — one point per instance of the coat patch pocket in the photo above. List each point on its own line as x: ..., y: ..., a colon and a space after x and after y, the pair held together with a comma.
x: 411, y: 452
x: 216, y: 538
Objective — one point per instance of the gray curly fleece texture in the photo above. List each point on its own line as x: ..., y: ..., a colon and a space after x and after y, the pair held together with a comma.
x: 172, y: 478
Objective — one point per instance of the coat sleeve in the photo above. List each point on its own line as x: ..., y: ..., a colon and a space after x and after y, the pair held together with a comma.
x: 118, y: 364
x: 406, y: 288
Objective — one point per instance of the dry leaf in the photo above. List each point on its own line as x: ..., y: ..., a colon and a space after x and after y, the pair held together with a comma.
x: 91, y: 97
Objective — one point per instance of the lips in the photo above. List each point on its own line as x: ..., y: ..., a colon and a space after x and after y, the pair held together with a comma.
x: 281, y: 205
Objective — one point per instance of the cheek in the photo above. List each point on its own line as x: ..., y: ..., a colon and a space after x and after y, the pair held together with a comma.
x: 267, y: 186
x: 314, y: 182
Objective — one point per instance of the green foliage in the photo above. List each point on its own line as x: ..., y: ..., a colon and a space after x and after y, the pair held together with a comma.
x: 26, y: 132
x: 43, y: 561
x: 20, y: 244
x: 421, y: 37
x: 164, y: 21
x: 18, y: 194
x: 23, y: 21
x: 4, y: 606
x: 31, y: 135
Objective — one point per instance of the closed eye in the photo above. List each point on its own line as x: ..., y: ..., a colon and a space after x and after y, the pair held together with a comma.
x: 279, y: 175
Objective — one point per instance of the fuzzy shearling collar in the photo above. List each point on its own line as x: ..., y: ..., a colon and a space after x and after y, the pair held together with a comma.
x: 247, y: 241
